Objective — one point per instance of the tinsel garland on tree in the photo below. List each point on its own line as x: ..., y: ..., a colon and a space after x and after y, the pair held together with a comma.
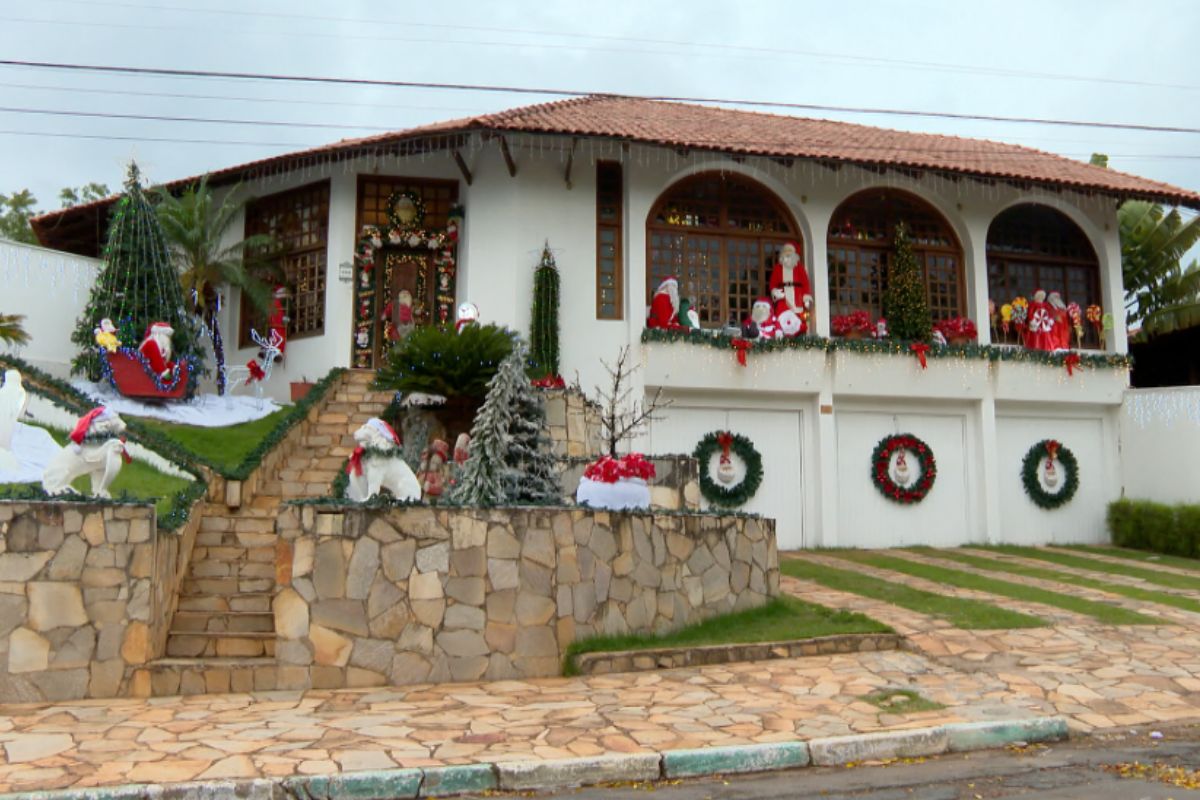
x: 543, y: 333
x: 904, y: 302
x: 136, y: 286
x: 511, y: 461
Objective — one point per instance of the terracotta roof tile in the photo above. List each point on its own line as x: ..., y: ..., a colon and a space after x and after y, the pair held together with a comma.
x: 696, y: 127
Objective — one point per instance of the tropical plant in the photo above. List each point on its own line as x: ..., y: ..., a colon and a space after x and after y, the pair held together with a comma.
x: 1160, y: 293
x: 195, y: 226
x: 11, y: 330
x: 15, y: 211
x: 436, y: 360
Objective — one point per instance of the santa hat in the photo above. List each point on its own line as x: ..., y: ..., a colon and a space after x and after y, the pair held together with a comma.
x: 384, y: 428
x: 764, y: 301
x: 107, y: 325
x: 80, y: 431
x: 668, y: 280
x: 794, y: 245
x: 281, y: 291
x: 159, y: 327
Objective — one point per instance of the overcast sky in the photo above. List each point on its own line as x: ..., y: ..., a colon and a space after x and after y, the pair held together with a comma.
x: 1092, y: 60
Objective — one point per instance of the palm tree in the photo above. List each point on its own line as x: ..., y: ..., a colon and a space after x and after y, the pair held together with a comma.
x: 195, y: 227
x: 11, y: 330
x: 1160, y: 292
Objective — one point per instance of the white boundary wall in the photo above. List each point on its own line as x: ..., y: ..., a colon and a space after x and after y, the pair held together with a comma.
x: 1160, y: 444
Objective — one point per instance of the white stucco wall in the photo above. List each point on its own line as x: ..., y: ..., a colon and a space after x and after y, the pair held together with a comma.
x: 1160, y: 444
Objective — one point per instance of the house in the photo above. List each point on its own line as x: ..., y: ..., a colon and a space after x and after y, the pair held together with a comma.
x: 629, y: 191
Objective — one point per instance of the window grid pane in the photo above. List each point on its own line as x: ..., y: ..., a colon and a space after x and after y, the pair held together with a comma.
x: 609, y: 198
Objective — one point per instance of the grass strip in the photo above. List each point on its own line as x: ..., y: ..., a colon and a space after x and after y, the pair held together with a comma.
x: 1095, y: 565
x: 1137, y: 555
x: 1132, y: 592
x: 782, y: 619
x: 225, y: 448
x: 1102, y: 612
x: 964, y: 614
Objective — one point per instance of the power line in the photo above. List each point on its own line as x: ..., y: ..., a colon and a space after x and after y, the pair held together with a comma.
x: 525, y: 90
x: 170, y: 140
x: 203, y: 120
x: 703, y: 47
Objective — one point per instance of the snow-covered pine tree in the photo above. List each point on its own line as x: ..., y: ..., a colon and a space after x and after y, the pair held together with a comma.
x: 532, y: 472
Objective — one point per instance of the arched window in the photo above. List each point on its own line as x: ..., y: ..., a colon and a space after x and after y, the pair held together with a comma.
x: 719, y: 233
x: 860, y: 243
x: 1031, y: 247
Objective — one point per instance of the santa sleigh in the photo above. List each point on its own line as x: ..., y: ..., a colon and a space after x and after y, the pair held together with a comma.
x: 131, y: 374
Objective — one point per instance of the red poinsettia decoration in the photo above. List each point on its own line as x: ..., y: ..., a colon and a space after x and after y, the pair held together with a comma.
x: 549, y: 382
x: 957, y: 328
x: 610, y: 470
x: 848, y: 323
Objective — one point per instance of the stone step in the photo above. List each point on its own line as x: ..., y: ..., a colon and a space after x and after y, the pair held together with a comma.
x: 223, y: 622
x: 234, y: 568
x: 245, y: 601
x: 240, y: 539
x: 231, y: 551
x: 207, y: 644
x: 204, y: 587
x: 188, y: 676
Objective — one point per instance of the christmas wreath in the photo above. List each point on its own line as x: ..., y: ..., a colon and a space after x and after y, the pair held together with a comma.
x: 733, y: 483
x: 897, y: 479
x: 1050, y: 474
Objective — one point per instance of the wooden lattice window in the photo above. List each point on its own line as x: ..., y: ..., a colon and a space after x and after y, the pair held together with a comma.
x: 860, y: 243
x: 720, y: 235
x: 298, y: 221
x: 1031, y: 247
x: 609, y: 241
x: 374, y: 190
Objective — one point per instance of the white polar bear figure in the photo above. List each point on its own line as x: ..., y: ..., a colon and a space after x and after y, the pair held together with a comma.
x: 96, y: 449
x: 376, y: 464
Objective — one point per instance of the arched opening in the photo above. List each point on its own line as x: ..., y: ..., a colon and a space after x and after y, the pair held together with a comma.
x: 860, y: 243
x: 1031, y: 247
x: 719, y: 233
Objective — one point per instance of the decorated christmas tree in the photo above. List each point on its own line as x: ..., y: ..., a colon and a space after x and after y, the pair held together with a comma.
x: 543, y: 334
x: 904, y: 302
x: 510, y: 459
x: 137, y: 286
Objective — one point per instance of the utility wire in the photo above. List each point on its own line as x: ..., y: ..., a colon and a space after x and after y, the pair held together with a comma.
x: 703, y: 47
x: 525, y: 90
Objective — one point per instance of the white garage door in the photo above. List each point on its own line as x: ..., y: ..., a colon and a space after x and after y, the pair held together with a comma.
x: 776, y: 434
x: 868, y: 519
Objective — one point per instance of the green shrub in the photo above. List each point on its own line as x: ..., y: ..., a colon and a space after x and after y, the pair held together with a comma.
x: 1187, y: 523
x: 437, y: 360
x: 1120, y: 524
x: 1157, y: 527
x: 1157, y: 523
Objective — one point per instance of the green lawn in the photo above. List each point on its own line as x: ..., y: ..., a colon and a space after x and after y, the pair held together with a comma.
x: 965, y: 614
x: 1096, y: 565
x: 1138, y: 555
x: 782, y: 619
x: 1132, y: 592
x: 1102, y: 612
x: 226, y: 446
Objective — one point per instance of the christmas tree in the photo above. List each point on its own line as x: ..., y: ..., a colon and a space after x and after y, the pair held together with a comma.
x: 137, y: 286
x: 543, y: 333
x: 904, y: 303
x: 510, y: 459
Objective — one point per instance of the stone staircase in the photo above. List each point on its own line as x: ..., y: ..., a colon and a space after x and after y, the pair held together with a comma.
x: 222, y: 637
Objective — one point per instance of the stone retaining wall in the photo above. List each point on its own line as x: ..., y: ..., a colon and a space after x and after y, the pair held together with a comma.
x: 87, y: 592
x: 574, y: 423
x: 407, y: 595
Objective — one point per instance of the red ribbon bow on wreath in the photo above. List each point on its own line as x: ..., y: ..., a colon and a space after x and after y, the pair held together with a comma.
x: 920, y: 349
x: 725, y: 440
x: 742, y: 345
x: 1071, y: 360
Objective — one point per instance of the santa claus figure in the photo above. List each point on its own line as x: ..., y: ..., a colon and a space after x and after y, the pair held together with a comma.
x: 156, y: 349
x: 1039, y: 331
x: 1062, y: 321
x: 764, y: 320
x: 790, y: 288
x: 277, y: 322
x: 664, y: 306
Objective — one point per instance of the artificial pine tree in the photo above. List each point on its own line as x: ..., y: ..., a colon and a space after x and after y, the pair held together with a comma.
x: 510, y: 460
x: 137, y: 286
x: 543, y: 327
x: 904, y: 303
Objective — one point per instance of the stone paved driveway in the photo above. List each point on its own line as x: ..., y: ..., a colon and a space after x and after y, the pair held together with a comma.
x: 1097, y: 676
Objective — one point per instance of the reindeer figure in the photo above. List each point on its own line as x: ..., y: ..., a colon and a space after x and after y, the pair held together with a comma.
x: 255, y: 373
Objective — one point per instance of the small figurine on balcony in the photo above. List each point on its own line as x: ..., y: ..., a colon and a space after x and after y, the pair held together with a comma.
x: 1039, y: 334
x: 664, y: 306
x: 764, y: 320
x: 790, y: 288
x: 1062, y: 321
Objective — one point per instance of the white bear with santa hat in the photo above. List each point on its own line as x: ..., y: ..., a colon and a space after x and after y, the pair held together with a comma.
x: 96, y: 449
x: 376, y: 464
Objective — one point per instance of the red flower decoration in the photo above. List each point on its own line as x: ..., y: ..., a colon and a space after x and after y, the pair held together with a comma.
x: 609, y: 470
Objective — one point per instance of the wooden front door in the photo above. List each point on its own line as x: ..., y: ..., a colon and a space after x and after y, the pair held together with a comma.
x: 406, y: 299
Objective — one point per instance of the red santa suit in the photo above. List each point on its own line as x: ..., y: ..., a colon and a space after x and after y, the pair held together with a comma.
x: 762, y: 316
x: 277, y: 322
x: 156, y: 348
x: 1039, y: 324
x: 664, y: 306
x: 1062, y: 322
x: 790, y: 288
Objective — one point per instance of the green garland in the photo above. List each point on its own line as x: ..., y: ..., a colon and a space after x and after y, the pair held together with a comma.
x: 418, y: 207
x: 721, y: 341
x: 543, y: 327
x: 881, y: 460
x: 1033, y: 487
x: 712, y: 490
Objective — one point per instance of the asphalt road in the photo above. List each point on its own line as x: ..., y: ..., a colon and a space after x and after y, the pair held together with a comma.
x: 1056, y: 772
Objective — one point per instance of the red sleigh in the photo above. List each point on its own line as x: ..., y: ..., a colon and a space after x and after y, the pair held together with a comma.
x: 132, y: 376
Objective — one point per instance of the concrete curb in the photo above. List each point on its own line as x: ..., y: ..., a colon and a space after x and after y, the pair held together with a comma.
x: 414, y: 782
